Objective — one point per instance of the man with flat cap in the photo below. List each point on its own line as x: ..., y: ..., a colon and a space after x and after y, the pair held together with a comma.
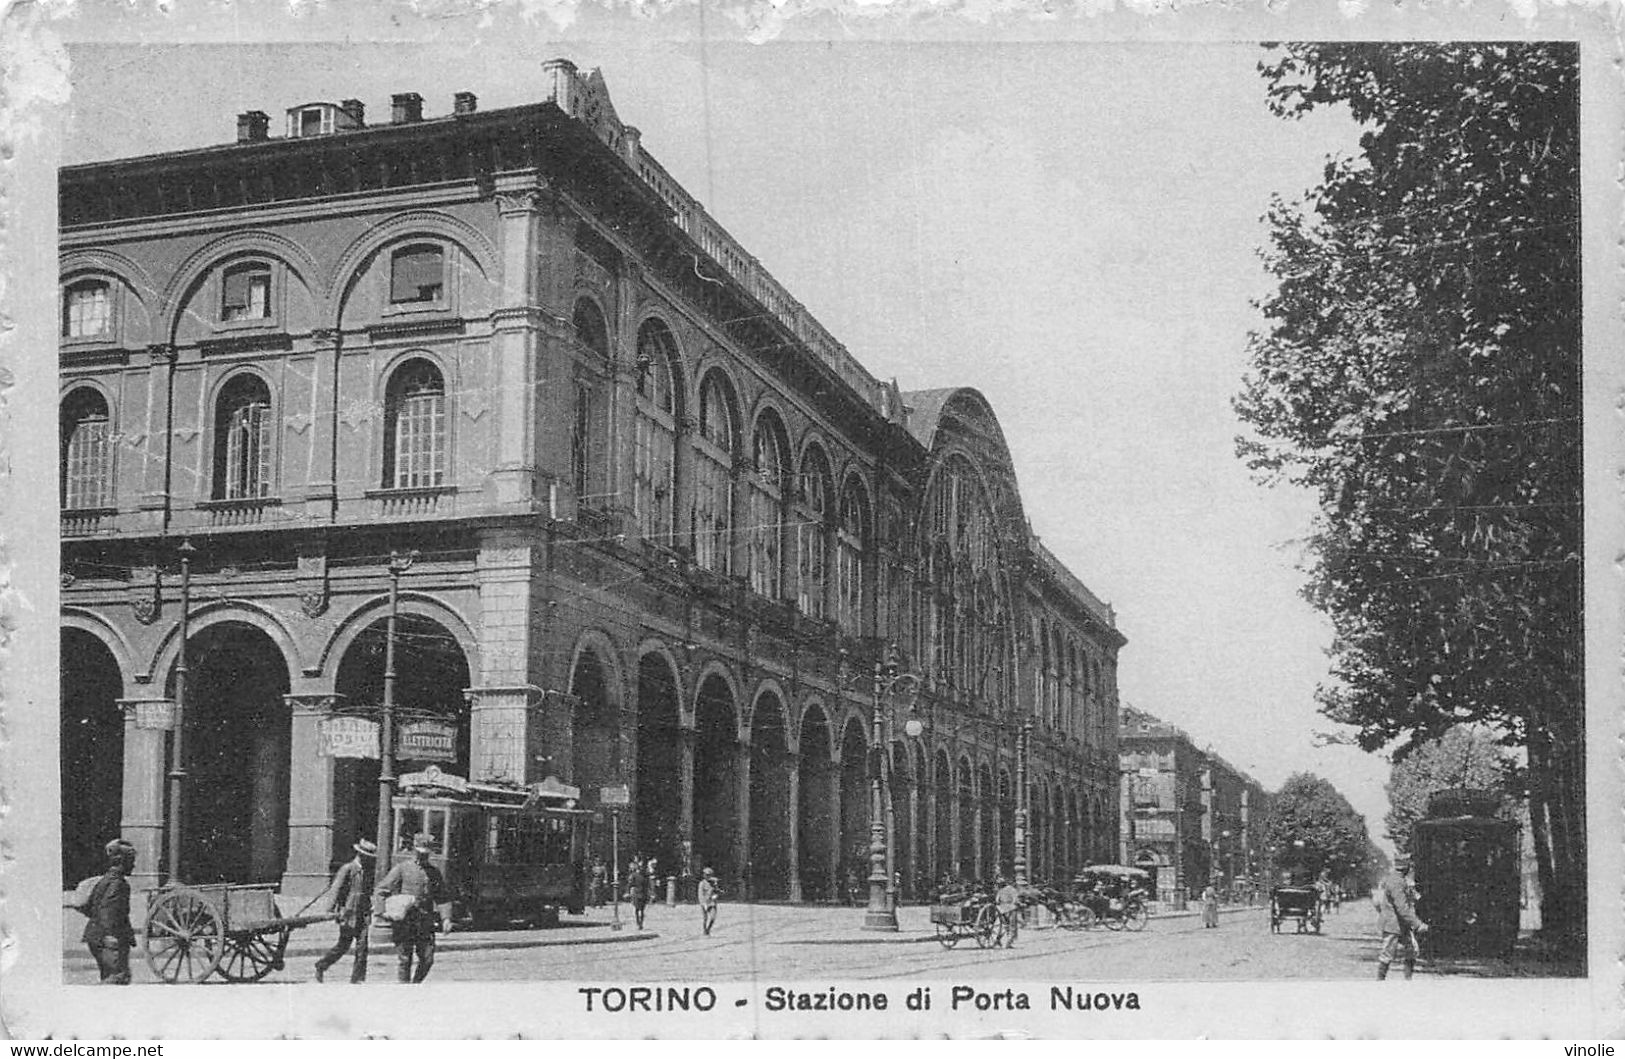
x: 421, y: 887
x: 350, y: 895
x: 109, y: 934
x: 1397, y: 919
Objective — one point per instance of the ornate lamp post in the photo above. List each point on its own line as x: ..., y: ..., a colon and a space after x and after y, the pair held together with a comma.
x: 880, y: 913
x: 1023, y: 740
x: 177, y: 753
x: 399, y: 563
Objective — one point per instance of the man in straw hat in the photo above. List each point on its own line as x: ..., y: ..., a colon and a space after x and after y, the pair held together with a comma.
x: 350, y: 895
x: 1397, y: 919
x: 421, y: 887
x: 109, y: 933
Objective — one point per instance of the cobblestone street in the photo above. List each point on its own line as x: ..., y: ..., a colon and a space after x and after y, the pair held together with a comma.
x: 776, y: 943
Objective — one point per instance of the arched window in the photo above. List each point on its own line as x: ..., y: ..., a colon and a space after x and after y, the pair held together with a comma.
x: 87, y: 309
x: 812, y: 527
x: 768, y: 492
x: 590, y: 328
x: 654, y: 465
x: 851, y: 542
x: 712, y: 521
x: 242, y: 442
x: 415, y: 427
x: 967, y: 627
x: 87, y: 464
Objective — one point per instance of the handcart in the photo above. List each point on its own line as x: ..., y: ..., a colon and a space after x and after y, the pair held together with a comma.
x: 973, y: 917
x: 196, y: 931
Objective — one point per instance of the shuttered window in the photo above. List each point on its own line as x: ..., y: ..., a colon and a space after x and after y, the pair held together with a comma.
x: 86, y: 454
x: 415, y: 427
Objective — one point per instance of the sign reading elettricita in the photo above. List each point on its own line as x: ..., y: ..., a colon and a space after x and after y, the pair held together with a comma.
x: 617, y: 1000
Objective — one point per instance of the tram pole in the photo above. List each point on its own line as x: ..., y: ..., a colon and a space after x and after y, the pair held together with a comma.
x: 399, y: 563
x: 177, y: 751
x: 615, y: 866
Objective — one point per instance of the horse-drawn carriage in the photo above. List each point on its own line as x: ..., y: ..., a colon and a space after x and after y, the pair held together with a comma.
x: 1112, y: 894
x: 1295, y: 902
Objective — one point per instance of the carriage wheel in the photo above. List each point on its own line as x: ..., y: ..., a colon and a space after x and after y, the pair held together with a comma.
x: 987, y: 926
x: 947, y: 935
x: 250, y: 957
x: 185, y: 938
x: 1084, y: 918
x: 1135, y: 917
x: 1114, y: 918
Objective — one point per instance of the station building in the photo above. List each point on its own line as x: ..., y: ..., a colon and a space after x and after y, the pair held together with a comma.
x: 661, y: 523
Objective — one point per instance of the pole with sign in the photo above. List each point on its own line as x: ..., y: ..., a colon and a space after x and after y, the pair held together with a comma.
x: 615, y: 798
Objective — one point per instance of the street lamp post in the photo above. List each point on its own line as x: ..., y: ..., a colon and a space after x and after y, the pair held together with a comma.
x: 881, y: 913
x: 177, y: 753
x: 399, y: 563
x: 1023, y: 737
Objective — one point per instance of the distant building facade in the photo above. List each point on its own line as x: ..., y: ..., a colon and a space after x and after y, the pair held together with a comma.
x: 663, y: 522
x: 1187, y: 816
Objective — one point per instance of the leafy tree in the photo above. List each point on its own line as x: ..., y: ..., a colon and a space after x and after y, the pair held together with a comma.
x: 1419, y: 370
x: 1312, y: 826
x: 1462, y: 757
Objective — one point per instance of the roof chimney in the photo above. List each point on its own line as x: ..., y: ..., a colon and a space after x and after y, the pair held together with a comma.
x: 405, y: 107
x: 356, y: 109
x: 464, y: 103
x: 252, y: 125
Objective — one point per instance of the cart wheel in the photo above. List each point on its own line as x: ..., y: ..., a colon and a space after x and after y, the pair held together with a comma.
x: 1084, y: 918
x: 987, y: 926
x: 1135, y: 917
x: 185, y: 939
x: 1114, y: 918
x: 947, y: 936
x: 250, y: 957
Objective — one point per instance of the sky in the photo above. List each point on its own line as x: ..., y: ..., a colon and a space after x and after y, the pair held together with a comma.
x: 1071, y: 228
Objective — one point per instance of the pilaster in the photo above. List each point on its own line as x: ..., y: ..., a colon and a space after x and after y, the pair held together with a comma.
x: 142, y: 823
x: 500, y: 731
x: 311, y: 840
x: 792, y: 767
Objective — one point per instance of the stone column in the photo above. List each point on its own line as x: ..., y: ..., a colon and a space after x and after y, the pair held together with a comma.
x: 501, y: 737
x: 955, y: 855
x: 310, y: 797
x: 685, y: 781
x: 911, y: 886
x: 792, y: 766
x: 976, y: 822
x: 928, y: 789
x: 837, y: 877
x: 742, y: 850
x: 142, y: 822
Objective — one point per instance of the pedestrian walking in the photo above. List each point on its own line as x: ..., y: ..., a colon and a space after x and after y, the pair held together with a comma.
x: 350, y: 895
x: 109, y: 934
x: 708, y: 894
x: 1210, y: 906
x: 1397, y: 919
x: 637, y: 889
x: 596, y: 890
x: 408, y: 895
x: 1007, y: 901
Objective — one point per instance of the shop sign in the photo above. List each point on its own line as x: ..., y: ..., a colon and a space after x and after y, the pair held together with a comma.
x: 428, y: 741
x: 348, y: 737
x: 619, y: 794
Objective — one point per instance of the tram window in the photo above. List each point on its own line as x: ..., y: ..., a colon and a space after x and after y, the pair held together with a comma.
x: 408, y: 822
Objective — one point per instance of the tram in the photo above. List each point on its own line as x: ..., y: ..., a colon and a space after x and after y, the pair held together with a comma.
x: 1467, y: 875
x: 509, y: 854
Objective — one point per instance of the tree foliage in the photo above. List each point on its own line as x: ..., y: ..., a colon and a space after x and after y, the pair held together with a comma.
x: 1419, y: 371
x: 1312, y: 826
x: 1462, y: 757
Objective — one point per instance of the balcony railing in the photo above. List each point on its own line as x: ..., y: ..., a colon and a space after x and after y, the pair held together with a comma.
x: 81, y: 522
x: 412, y: 503
x: 239, y: 511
